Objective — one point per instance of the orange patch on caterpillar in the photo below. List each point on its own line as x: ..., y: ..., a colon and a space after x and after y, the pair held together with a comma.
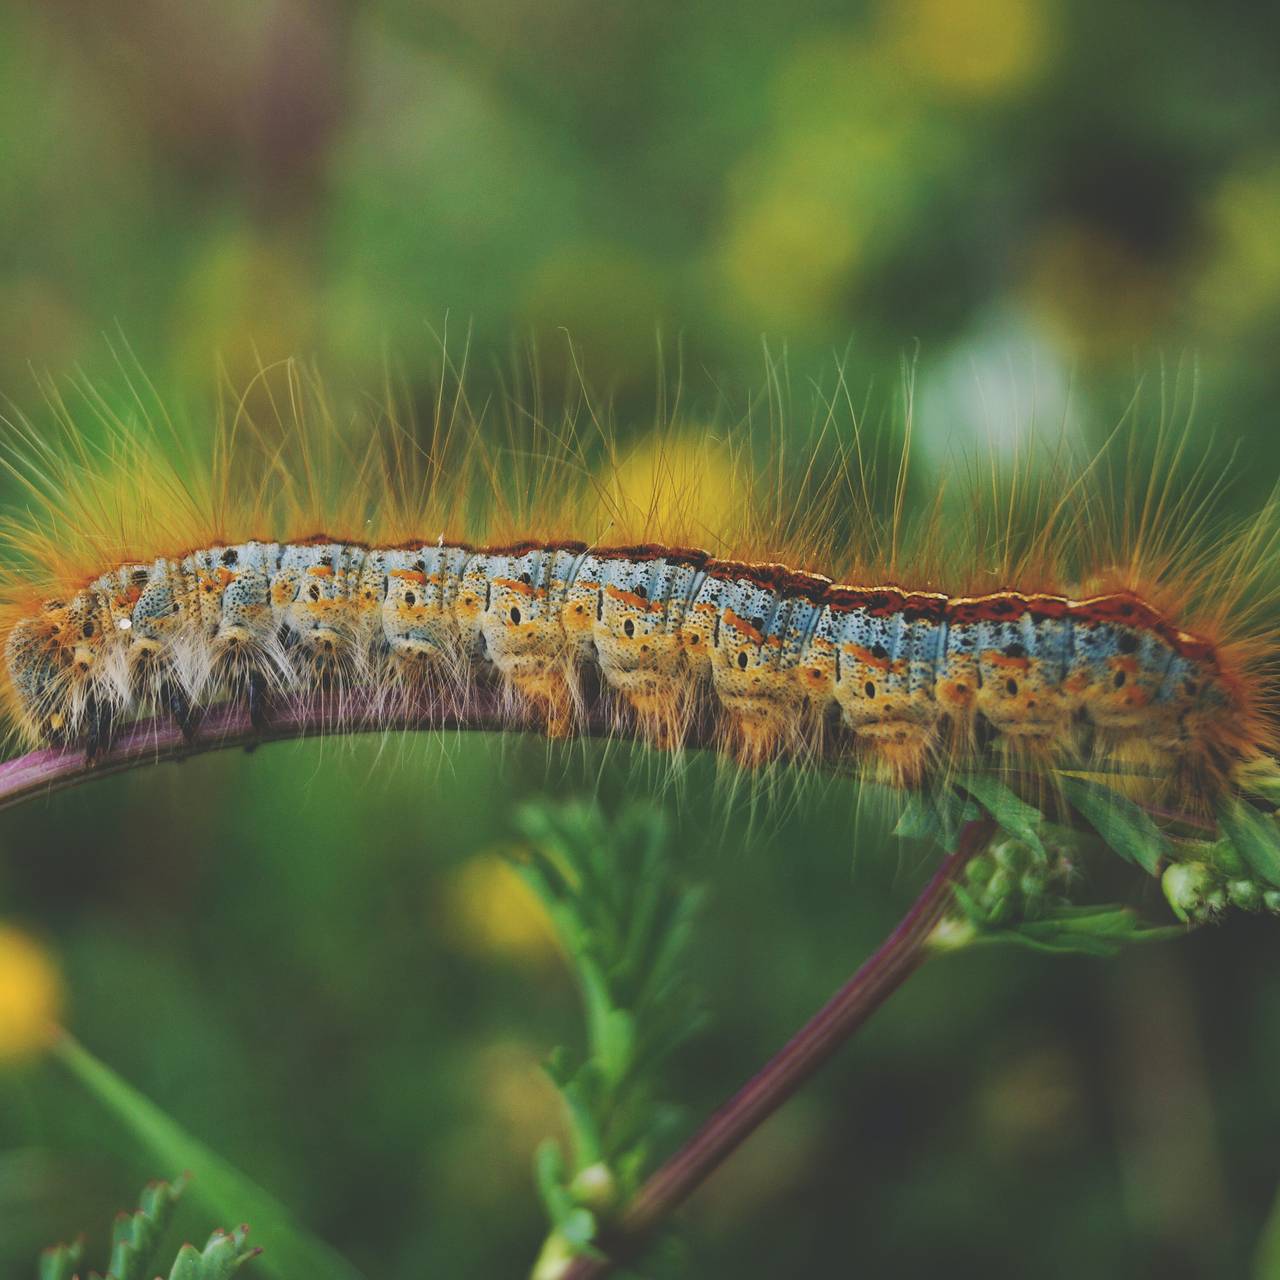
x: 998, y: 658
x: 957, y: 693
x: 860, y: 653
x: 520, y: 588
x: 745, y: 628
x: 632, y: 600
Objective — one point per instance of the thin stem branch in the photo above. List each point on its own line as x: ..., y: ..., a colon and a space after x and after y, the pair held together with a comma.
x: 146, y: 742
x: 901, y: 953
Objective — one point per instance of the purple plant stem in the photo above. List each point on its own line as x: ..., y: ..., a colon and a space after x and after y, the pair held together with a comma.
x: 901, y: 953
x: 481, y: 708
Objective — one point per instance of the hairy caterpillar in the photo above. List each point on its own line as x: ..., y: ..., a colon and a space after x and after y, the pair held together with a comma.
x: 159, y: 585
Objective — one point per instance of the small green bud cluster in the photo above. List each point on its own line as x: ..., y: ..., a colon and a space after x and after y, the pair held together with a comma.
x: 1202, y: 892
x: 1012, y: 881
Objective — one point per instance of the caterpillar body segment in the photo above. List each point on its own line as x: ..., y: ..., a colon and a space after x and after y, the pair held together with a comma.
x: 521, y: 626
x: 776, y: 656
x: 641, y: 597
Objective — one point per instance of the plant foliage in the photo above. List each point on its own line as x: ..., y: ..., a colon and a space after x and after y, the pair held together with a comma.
x: 623, y: 916
x: 135, y: 1241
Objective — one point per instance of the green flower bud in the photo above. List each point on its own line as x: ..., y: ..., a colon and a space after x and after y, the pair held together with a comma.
x: 1224, y: 856
x: 1271, y: 900
x: 1186, y: 885
x: 979, y: 871
x: 1245, y: 894
x: 1000, y: 887
x: 1012, y: 855
x: 1033, y: 882
x: 595, y: 1187
x: 951, y: 933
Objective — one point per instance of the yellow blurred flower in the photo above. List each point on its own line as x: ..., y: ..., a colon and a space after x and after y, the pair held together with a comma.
x: 492, y: 911
x: 1241, y: 281
x: 678, y: 488
x: 513, y: 1106
x: 788, y: 255
x: 31, y: 995
x: 825, y: 190
x: 976, y: 48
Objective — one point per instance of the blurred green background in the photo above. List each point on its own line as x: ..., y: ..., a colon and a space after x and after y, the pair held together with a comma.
x: 307, y: 956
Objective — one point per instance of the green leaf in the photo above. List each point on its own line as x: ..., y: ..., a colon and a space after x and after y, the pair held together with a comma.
x: 617, y: 1040
x: 60, y: 1261
x: 551, y: 1177
x: 1092, y: 931
x: 918, y: 819
x: 1255, y: 836
x: 624, y: 918
x: 1259, y: 777
x: 134, y: 1236
x: 221, y: 1258
x: 937, y: 816
x: 188, y: 1265
x: 1010, y: 811
x: 293, y: 1251
x: 1126, y: 828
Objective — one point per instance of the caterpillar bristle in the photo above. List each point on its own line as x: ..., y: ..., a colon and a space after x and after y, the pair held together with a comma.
x: 1028, y: 626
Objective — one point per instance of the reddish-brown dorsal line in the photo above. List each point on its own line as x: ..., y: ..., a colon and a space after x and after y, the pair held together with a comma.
x: 1123, y: 608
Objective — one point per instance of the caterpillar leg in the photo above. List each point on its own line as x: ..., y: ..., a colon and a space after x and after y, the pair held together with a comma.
x: 184, y: 714
x: 257, y: 698
x: 100, y: 731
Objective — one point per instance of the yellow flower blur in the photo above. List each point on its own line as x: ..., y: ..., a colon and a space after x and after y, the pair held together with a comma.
x: 493, y: 911
x: 30, y: 995
x: 978, y: 48
x: 1240, y: 287
x: 683, y: 487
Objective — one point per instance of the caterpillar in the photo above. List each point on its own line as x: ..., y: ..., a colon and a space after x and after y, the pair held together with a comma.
x: 149, y: 586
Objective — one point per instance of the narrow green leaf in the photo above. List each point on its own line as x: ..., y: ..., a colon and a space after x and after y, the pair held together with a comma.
x: 1126, y: 828
x: 224, y: 1254
x: 134, y: 1236
x: 292, y: 1252
x: 551, y: 1177
x: 1092, y: 931
x: 1260, y: 777
x: 189, y: 1265
x: 1011, y: 812
x: 578, y: 1095
x: 918, y: 819
x: 939, y: 816
x: 617, y: 1041
x: 60, y: 1261
x: 1255, y: 836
